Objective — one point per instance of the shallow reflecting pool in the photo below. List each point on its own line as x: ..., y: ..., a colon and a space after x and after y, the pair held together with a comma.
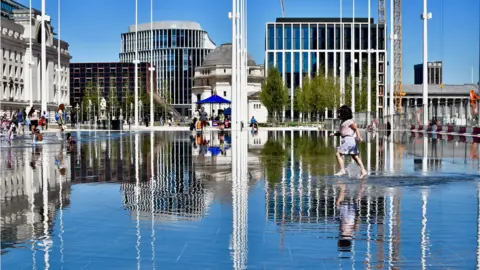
x: 168, y: 201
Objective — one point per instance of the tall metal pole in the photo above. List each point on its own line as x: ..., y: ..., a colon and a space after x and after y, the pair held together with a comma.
x: 391, y: 82
x: 44, y: 60
x: 425, y: 16
x: 352, y: 57
x: 136, y: 63
x: 30, y: 77
x: 342, y: 58
x: 234, y: 66
x: 478, y: 83
x: 59, y: 67
x: 369, y: 68
x: 152, y: 118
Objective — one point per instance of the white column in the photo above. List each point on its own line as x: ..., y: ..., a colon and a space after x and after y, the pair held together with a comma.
x: 425, y: 16
x: 151, y: 68
x: 352, y: 57
x: 44, y: 94
x: 59, y: 67
x: 369, y: 69
x: 30, y: 62
x: 136, y: 62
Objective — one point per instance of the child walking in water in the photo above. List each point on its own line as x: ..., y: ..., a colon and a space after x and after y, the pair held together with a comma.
x: 350, y: 135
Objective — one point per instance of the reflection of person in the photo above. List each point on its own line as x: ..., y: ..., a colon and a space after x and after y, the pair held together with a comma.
x: 350, y: 135
x: 349, y: 217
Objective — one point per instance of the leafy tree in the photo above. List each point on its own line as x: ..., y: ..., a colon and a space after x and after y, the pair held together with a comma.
x: 273, y: 157
x: 274, y: 94
x: 113, y: 96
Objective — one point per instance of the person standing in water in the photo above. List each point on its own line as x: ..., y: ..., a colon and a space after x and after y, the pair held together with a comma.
x: 350, y: 136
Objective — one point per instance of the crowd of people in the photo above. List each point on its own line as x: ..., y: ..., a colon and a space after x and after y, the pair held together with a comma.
x: 34, y: 121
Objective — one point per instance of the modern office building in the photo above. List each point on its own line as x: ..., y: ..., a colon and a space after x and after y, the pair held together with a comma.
x: 105, y: 76
x: 299, y: 47
x: 21, y: 82
x: 434, y: 71
x: 178, y: 48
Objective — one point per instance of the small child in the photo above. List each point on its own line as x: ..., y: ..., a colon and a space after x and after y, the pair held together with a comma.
x: 350, y: 135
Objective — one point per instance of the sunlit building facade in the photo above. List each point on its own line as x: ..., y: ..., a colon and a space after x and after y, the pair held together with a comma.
x: 178, y: 48
x: 18, y: 75
x: 301, y: 47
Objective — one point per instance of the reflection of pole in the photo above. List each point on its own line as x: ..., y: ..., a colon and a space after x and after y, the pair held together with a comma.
x: 369, y: 152
x: 60, y: 235
x: 390, y: 231
x: 46, y: 236
x: 369, y: 226
x: 153, y: 185
x: 478, y: 226
x: 137, y: 197
x: 391, y: 154
x: 424, y: 230
x: 425, y: 155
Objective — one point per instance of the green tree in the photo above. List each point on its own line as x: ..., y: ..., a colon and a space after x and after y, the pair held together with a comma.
x: 274, y: 94
x: 331, y: 93
x: 273, y: 157
x: 113, y: 96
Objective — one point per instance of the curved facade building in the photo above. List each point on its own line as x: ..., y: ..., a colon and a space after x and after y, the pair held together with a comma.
x: 178, y: 48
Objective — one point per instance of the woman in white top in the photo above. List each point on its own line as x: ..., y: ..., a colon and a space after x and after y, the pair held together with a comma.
x: 33, y: 116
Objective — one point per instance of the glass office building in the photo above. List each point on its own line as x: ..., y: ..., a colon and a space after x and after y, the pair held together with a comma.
x: 300, y: 47
x: 178, y: 48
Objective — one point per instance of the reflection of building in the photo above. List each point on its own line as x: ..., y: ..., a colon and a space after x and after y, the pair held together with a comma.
x: 178, y: 48
x: 434, y: 73
x: 15, y: 86
x: 22, y: 198
x: 301, y: 47
x: 215, y: 75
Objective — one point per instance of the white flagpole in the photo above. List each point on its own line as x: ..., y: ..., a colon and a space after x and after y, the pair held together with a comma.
x: 152, y: 118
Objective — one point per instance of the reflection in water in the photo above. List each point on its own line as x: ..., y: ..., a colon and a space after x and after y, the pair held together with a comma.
x: 311, y: 218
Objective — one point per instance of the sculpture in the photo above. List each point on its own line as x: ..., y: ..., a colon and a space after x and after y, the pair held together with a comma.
x: 103, y: 109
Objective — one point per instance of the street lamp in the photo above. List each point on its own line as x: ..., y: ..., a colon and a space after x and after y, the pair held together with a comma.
x: 151, y: 68
x: 43, y: 18
x: 77, y: 107
x: 136, y: 62
x: 59, y: 67
x: 425, y: 17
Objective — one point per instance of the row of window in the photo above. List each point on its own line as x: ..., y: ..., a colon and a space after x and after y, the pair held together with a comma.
x: 12, y: 71
x: 165, y: 38
x: 323, y: 37
x: 257, y: 106
x: 302, y: 61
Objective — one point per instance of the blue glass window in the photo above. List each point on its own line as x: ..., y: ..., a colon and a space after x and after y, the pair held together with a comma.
x: 288, y: 62
x: 174, y: 38
x: 305, y: 42
x: 296, y: 62
x: 313, y: 63
x: 270, y: 59
x: 305, y: 62
x: 296, y: 37
x: 279, y: 37
x: 280, y: 62
x: 288, y: 37
x: 270, y: 38
x: 313, y: 38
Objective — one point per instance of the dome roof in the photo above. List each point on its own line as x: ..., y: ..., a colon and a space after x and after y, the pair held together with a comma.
x: 222, y: 56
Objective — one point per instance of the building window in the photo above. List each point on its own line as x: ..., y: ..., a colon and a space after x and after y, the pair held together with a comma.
x: 224, y: 93
x: 279, y: 37
x: 296, y: 37
x: 288, y: 37
x: 271, y: 37
x: 305, y: 42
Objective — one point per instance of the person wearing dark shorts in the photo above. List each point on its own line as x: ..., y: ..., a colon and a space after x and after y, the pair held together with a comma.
x: 33, y: 116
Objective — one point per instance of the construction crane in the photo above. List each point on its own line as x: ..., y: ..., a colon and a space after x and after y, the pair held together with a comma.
x: 282, y: 5
x: 397, y: 43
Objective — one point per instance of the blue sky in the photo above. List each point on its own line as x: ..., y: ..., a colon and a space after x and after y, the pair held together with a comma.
x: 93, y: 27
